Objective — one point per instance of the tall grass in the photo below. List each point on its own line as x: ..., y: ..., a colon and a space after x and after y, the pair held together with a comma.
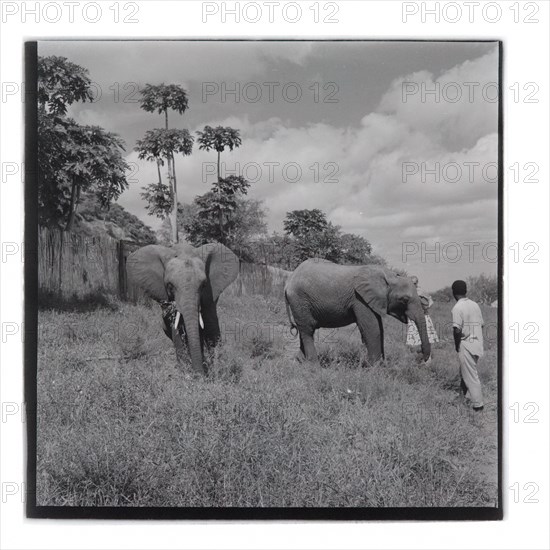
x: 119, y: 424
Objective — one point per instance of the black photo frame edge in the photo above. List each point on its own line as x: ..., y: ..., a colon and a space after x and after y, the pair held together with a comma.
x: 34, y: 511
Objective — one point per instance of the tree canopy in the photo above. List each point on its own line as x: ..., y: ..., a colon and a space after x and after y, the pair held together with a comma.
x: 161, y: 97
x: 308, y: 234
x: 243, y: 230
x: 220, y: 214
x: 61, y: 83
x: 72, y: 158
x: 313, y: 236
x: 219, y: 138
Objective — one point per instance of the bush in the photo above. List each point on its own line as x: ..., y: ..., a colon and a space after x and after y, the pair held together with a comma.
x: 99, y: 299
x: 442, y: 295
x: 482, y: 289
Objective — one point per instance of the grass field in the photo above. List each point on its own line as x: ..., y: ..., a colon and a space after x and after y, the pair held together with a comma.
x: 120, y: 425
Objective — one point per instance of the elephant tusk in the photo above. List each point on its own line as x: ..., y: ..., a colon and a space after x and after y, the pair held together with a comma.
x: 201, y: 322
x: 177, y: 319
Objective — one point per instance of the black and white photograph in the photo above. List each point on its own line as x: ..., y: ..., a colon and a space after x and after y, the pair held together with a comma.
x: 268, y: 279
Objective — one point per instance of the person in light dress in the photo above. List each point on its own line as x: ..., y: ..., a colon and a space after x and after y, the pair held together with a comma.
x: 413, y: 337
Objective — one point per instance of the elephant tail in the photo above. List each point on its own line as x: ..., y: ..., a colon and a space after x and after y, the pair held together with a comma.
x: 293, y: 327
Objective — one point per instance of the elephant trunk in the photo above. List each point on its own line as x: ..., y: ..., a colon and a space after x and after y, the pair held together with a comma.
x: 189, y: 310
x: 416, y: 314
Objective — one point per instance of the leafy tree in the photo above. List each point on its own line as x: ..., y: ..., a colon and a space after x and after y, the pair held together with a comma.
x: 314, y: 235
x: 226, y: 192
x: 158, y: 145
x: 94, y: 161
x: 159, y: 98
x: 277, y: 250
x: 217, y: 208
x: 72, y: 158
x: 161, y: 145
x: 245, y: 228
x: 248, y: 227
x: 219, y: 138
x: 61, y: 83
x: 247, y: 223
x: 309, y: 234
x: 186, y: 212
x: 355, y: 249
x: 158, y: 199
x: 231, y: 187
x: 220, y: 214
x: 54, y: 181
x: 302, y: 224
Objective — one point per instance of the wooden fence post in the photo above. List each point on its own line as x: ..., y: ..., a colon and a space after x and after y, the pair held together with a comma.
x: 122, y: 284
x: 60, y: 280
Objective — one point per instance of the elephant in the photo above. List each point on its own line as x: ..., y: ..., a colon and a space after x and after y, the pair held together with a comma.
x: 187, y: 282
x: 320, y: 293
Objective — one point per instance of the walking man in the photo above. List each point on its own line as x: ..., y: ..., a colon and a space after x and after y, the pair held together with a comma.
x: 468, y: 335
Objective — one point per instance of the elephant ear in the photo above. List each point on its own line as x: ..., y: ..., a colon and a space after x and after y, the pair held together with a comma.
x: 221, y: 266
x: 372, y: 285
x: 145, y: 268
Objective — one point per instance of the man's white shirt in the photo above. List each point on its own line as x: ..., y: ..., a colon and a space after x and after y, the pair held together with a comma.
x: 467, y: 317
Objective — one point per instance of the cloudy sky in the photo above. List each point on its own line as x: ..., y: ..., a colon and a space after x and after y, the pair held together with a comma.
x: 346, y: 127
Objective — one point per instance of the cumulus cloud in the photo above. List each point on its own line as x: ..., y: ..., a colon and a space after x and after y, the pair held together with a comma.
x: 456, y: 108
x: 411, y: 171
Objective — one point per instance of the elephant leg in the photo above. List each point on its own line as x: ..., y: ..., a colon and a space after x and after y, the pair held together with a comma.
x: 372, y: 333
x: 301, y: 355
x: 211, y: 333
x: 306, y: 343
x: 381, y: 327
x: 307, y: 347
x: 306, y: 325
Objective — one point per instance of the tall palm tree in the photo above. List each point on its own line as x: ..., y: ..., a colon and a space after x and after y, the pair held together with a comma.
x: 219, y: 138
x: 160, y: 98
